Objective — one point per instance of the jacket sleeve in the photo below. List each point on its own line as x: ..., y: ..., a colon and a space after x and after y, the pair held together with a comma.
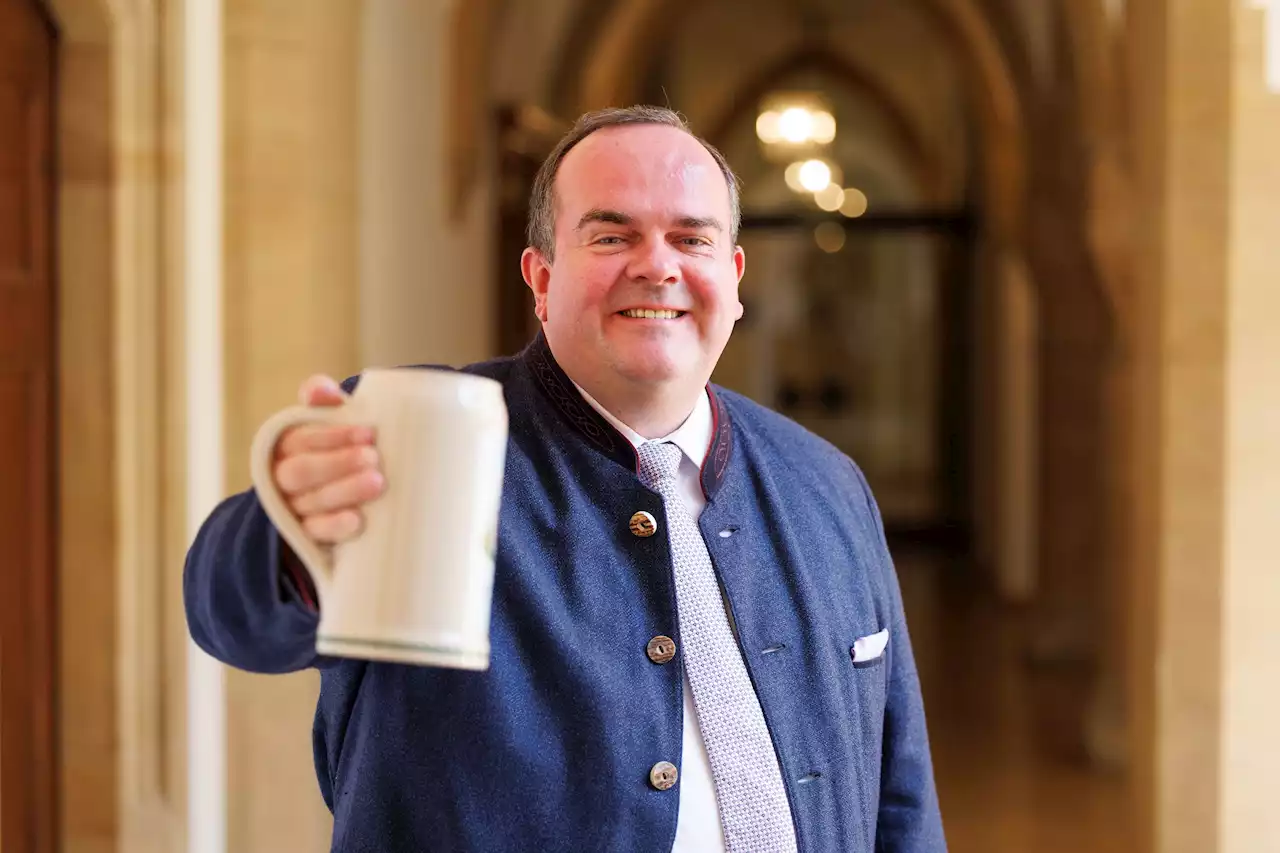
x: 909, y: 820
x: 244, y: 606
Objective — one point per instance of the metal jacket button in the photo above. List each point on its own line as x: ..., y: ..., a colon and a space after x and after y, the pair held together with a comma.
x: 661, y: 649
x: 643, y: 524
x: 663, y: 775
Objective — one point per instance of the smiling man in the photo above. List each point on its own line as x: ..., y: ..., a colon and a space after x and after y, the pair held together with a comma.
x: 637, y: 291
x: 698, y: 641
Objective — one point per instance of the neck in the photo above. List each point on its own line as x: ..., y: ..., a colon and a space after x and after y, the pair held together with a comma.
x: 653, y: 411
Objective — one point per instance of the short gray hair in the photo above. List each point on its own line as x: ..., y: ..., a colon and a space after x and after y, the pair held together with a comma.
x: 542, y: 200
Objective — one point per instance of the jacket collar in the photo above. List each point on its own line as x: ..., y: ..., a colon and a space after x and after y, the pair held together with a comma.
x: 596, y: 431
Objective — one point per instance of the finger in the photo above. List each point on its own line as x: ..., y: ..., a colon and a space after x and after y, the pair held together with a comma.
x: 320, y: 390
x: 347, y: 493
x: 313, y: 469
x: 313, y: 438
x: 333, y: 528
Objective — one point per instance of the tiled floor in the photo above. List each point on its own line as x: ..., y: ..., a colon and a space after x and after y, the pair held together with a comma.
x: 1010, y: 775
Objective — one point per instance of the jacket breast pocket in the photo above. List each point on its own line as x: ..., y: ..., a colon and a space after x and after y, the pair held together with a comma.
x: 870, y: 651
x: 868, y: 663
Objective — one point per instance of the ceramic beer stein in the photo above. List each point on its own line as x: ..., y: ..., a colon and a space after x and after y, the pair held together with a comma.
x: 416, y: 585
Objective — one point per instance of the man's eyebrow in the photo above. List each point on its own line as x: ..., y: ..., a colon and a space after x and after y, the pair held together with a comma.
x: 698, y: 223
x: 616, y: 217
x: 596, y: 214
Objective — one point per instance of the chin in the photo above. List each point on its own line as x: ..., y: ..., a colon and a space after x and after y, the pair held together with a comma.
x: 653, y: 366
x: 657, y: 359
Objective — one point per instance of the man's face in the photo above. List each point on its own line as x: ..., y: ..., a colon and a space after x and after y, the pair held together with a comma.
x: 644, y: 285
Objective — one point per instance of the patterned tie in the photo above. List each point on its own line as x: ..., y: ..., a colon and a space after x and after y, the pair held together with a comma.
x: 753, y: 801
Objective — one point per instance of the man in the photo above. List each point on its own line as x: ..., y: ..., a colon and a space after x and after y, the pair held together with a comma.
x: 698, y: 641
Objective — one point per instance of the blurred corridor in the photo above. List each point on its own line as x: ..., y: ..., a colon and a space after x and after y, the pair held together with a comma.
x: 1011, y: 775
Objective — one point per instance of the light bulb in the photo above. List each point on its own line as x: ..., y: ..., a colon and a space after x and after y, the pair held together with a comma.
x: 854, y: 203
x: 768, y: 128
x: 815, y: 175
x: 796, y: 125
x: 829, y: 198
x: 824, y: 127
x: 792, y: 176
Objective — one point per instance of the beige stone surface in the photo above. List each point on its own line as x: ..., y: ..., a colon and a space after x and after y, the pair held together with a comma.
x: 112, y: 727
x: 1206, y: 587
x: 425, y: 259
x: 1250, y: 822
x: 291, y: 309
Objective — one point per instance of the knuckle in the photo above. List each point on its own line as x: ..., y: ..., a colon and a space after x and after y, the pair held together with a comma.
x: 355, y: 523
x: 315, y: 527
x: 338, y: 527
x: 286, y: 476
x: 370, y: 485
x: 302, y: 506
x: 314, y: 467
x: 284, y: 445
x: 299, y: 471
x: 362, y: 457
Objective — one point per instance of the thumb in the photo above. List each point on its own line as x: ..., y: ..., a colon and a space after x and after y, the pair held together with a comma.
x: 321, y: 390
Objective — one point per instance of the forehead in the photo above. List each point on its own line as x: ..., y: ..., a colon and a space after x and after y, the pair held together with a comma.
x: 641, y: 170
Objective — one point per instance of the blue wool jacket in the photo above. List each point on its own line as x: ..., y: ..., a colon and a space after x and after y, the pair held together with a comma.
x: 550, y: 749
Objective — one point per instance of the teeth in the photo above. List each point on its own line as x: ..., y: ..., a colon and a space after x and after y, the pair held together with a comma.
x: 649, y: 314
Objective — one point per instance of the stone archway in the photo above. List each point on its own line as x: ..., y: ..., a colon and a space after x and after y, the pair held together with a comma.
x: 605, y: 53
x: 926, y: 167
x: 117, y: 738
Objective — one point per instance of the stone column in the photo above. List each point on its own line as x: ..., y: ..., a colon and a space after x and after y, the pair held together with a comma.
x: 425, y: 265
x: 291, y: 309
x: 1250, y: 820
x: 1206, y: 595
x: 1076, y: 346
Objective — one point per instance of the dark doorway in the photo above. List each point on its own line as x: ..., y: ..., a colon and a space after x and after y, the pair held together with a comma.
x: 859, y: 329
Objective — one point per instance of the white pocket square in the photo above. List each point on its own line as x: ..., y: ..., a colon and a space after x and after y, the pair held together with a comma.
x: 870, y: 647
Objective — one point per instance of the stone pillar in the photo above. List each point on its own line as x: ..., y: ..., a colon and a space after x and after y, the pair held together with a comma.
x: 425, y: 267
x: 1017, y: 430
x: 1250, y: 820
x: 1206, y: 593
x: 291, y: 309
x: 1076, y: 345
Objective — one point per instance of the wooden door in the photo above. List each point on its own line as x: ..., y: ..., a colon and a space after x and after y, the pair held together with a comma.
x: 27, y: 429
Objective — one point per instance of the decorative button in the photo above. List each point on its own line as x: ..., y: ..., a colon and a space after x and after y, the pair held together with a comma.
x: 661, y: 649
x: 663, y: 776
x: 643, y: 524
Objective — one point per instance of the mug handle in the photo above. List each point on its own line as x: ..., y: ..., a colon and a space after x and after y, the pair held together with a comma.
x: 317, y: 559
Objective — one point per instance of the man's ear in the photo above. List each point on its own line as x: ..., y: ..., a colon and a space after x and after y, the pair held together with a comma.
x: 740, y: 265
x: 537, y: 274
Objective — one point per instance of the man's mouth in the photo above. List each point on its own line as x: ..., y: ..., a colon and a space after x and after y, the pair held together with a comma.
x: 652, y: 313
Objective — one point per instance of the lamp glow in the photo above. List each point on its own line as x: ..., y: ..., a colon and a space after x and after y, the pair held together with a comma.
x: 824, y: 127
x: 768, y: 127
x: 829, y: 198
x: 829, y: 236
x: 814, y: 175
x: 796, y: 125
x: 854, y: 203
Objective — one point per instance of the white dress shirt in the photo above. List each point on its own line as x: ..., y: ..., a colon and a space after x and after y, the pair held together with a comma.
x: 698, y: 827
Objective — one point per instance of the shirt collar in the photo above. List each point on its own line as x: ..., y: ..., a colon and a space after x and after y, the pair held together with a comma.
x: 693, y: 437
x: 591, y: 427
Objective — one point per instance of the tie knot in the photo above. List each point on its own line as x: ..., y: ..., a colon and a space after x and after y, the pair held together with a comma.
x: 659, y: 461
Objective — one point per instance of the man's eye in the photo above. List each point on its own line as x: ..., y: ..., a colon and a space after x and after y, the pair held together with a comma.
x: 609, y: 241
x: 695, y: 241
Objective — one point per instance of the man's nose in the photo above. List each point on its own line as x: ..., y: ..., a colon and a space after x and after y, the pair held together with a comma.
x: 655, y: 262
